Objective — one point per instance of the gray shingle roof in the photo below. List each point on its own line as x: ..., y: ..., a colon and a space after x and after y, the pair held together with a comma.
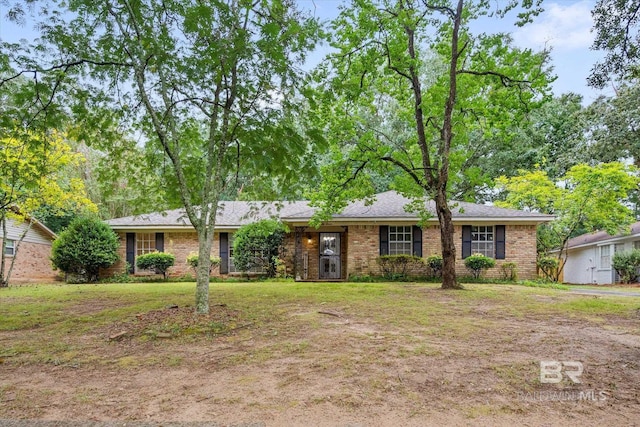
x: 600, y: 236
x: 391, y: 204
x: 387, y: 206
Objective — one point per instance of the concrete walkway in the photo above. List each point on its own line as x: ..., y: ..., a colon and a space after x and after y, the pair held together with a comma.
x: 605, y: 292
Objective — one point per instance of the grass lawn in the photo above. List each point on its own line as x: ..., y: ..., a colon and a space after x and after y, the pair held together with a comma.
x: 284, y: 353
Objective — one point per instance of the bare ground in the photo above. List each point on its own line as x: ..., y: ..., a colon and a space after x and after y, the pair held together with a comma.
x: 333, y: 366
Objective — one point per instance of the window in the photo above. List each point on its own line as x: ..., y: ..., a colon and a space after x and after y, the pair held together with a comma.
x: 10, y: 248
x: 400, y: 240
x: 482, y: 240
x: 232, y: 267
x: 145, y: 243
x: 605, y: 257
x: 636, y: 244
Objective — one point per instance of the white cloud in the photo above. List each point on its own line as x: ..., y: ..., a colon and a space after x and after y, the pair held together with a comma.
x: 564, y: 26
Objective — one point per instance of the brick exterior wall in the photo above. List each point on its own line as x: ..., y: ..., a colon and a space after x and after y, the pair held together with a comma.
x: 180, y: 244
x: 360, y: 247
x: 364, y: 248
x: 32, y: 264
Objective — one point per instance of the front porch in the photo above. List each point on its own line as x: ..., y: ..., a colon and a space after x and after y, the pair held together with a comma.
x: 320, y: 255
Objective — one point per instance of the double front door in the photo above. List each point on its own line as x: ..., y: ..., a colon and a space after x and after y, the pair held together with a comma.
x: 329, y: 256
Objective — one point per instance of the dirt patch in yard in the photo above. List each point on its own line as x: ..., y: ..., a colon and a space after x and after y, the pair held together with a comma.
x: 336, y: 365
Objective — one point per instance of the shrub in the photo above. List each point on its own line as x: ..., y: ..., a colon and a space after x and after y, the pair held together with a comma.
x: 509, y: 271
x: 396, y: 266
x: 549, y: 268
x: 281, y: 267
x: 85, y: 247
x: 258, y: 245
x: 157, y: 261
x: 626, y: 265
x: 192, y: 261
x: 434, y: 262
x: 477, y: 263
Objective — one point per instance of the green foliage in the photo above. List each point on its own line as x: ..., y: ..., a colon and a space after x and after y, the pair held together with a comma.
x: 85, y: 247
x: 280, y: 267
x: 549, y: 267
x: 617, y: 33
x: 192, y: 261
x: 160, y: 262
x: 259, y: 245
x: 586, y: 199
x: 509, y: 271
x: 627, y: 265
x: 434, y: 262
x: 396, y: 267
x: 612, y: 123
x: 477, y: 263
x: 361, y: 278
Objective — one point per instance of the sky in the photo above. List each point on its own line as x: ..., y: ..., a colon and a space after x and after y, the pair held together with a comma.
x: 565, y: 26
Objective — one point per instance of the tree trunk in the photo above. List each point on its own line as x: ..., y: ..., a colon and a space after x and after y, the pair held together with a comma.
x: 203, y: 271
x: 449, y: 280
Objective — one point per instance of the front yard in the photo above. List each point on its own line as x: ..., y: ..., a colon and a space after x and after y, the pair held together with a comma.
x: 282, y: 353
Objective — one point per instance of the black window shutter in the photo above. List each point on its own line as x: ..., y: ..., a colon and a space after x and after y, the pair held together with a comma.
x: 160, y: 242
x: 501, y: 238
x: 131, y: 251
x: 384, y: 240
x: 224, y: 253
x: 466, y: 241
x: 417, y: 241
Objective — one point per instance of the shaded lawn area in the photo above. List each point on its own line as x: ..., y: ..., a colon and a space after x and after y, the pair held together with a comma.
x: 284, y: 353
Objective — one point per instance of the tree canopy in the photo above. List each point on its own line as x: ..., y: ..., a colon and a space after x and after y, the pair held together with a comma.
x: 617, y: 33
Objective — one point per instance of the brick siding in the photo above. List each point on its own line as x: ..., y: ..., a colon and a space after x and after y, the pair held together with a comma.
x: 360, y: 248
x: 32, y: 264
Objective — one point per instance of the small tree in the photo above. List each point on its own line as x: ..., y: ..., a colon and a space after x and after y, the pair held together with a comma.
x: 627, y: 264
x: 258, y: 245
x: 157, y: 261
x: 85, y: 247
x: 477, y: 263
x: 549, y: 267
x: 509, y: 271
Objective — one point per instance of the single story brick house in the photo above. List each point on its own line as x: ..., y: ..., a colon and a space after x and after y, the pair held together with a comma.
x: 31, y: 257
x: 589, y: 256
x: 346, y: 245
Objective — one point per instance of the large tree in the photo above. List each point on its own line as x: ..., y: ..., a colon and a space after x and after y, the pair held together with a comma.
x: 616, y: 28
x: 408, y: 84
x: 209, y: 87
